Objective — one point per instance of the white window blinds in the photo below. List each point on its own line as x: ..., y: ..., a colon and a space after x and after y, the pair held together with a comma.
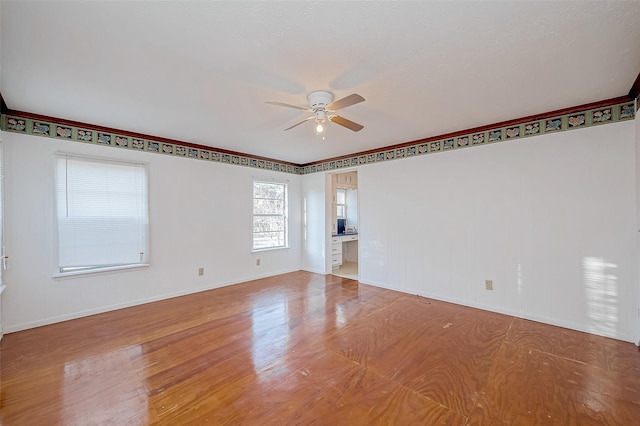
x: 102, y: 211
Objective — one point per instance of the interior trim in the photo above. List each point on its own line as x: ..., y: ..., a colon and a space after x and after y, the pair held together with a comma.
x: 513, y: 122
x: 581, y: 116
x: 587, y: 115
x: 634, y: 92
x: 53, y: 127
x: 3, y: 105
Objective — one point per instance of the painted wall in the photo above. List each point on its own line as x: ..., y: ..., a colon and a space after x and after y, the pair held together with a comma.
x: 314, y: 222
x: 550, y: 219
x: 637, y: 135
x: 200, y: 216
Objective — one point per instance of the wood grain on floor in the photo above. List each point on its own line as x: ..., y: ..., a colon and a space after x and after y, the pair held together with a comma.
x: 303, y: 348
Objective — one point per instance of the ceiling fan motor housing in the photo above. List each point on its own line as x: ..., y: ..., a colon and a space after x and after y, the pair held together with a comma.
x: 319, y: 100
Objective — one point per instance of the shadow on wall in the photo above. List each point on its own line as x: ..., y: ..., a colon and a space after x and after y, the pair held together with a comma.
x: 601, y: 296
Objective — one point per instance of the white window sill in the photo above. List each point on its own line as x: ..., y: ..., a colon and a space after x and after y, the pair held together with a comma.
x: 269, y: 249
x: 101, y: 271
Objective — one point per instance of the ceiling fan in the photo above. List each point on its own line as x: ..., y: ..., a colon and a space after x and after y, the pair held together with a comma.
x: 323, y: 107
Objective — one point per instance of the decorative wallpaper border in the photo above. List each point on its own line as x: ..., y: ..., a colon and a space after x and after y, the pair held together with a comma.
x: 549, y: 124
x: 49, y: 128
x: 576, y: 120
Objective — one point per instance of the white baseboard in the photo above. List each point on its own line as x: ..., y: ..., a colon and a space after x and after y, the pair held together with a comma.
x: 74, y: 315
x: 505, y: 311
x: 315, y: 271
x: 102, y: 309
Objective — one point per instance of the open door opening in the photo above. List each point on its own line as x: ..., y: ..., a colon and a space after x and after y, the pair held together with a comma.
x: 344, y: 225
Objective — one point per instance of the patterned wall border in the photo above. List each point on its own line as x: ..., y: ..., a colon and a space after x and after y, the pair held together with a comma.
x: 49, y: 128
x: 516, y: 130
x: 549, y: 124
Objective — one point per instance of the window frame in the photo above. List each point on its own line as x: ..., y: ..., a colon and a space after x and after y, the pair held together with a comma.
x: 343, y: 205
x: 284, y: 215
x: 99, y: 269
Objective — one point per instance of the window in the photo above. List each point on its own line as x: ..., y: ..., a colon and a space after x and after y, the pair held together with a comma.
x: 102, y: 213
x: 341, y: 203
x: 269, y: 215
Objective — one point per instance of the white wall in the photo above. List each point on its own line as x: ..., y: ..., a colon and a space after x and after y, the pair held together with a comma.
x: 200, y: 216
x: 315, y: 231
x: 637, y: 135
x: 550, y: 219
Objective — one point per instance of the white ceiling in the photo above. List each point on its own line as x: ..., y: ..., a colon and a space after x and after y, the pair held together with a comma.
x: 201, y: 71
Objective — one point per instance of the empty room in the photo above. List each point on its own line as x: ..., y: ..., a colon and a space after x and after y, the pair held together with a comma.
x: 311, y: 212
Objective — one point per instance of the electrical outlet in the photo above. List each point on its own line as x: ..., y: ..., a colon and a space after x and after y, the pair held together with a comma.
x: 488, y: 284
x: 200, y: 272
x: 257, y: 262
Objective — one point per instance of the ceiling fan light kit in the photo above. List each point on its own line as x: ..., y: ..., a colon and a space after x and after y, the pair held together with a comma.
x: 323, y: 107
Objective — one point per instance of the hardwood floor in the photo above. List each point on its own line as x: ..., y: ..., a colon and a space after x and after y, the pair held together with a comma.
x: 303, y: 348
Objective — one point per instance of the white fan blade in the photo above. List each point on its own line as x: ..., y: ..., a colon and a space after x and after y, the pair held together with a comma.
x: 345, y: 102
x: 288, y: 105
x: 346, y: 123
x: 297, y: 124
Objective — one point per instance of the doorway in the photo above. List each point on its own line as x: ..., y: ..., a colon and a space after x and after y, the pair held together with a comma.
x: 344, y: 225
